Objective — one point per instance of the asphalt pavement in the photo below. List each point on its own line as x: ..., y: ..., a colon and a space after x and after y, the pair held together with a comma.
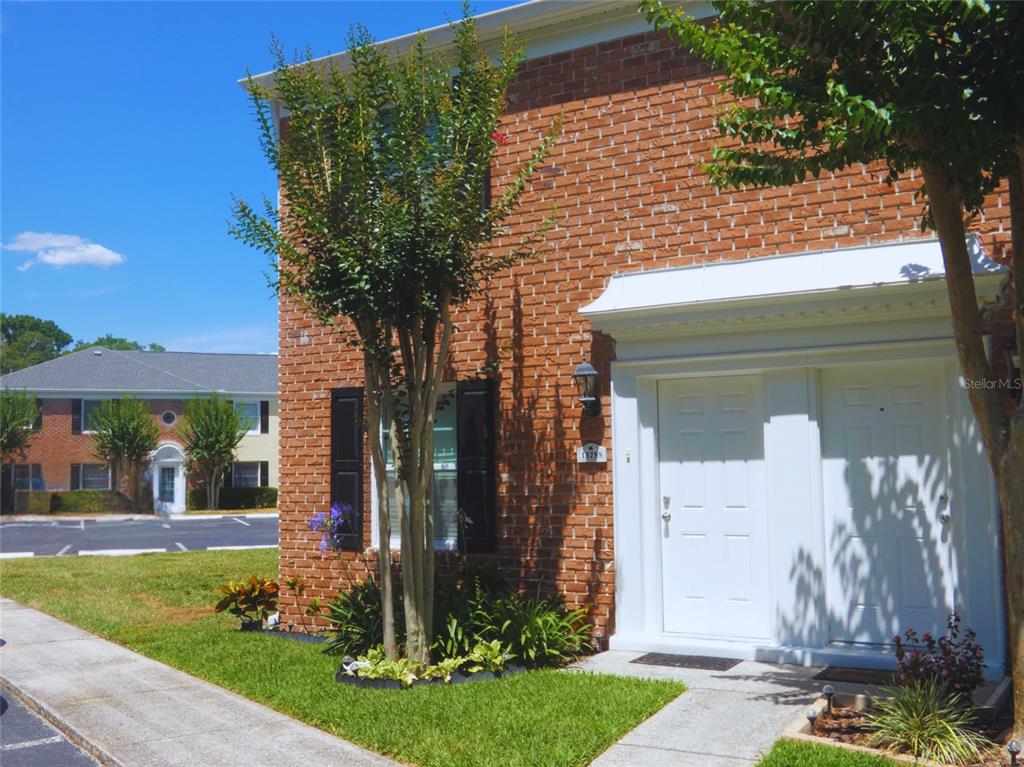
x: 117, y: 537
x: 26, y: 740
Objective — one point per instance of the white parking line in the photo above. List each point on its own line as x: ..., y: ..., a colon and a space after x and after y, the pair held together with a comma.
x: 119, y: 552
x: 180, y: 545
x: 241, y: 521
x: 16, y: 554
x: 240, y: 548
x: 63, y: 551
x: 31, y: 743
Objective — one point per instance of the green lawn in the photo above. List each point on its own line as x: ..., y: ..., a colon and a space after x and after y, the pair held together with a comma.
x: 789, y: 753
x: 160, y: 605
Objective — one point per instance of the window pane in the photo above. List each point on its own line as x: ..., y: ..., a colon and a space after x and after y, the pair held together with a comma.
x: 246, y: 474
x: 249, y: 414
x: 446, y: 509
x: 23, y: 477
x: 444, y: 433
x: 95, y: 476
x: 89, y: 408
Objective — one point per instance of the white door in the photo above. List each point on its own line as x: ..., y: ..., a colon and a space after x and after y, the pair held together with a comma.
x: 885, y: 487
x: 712, y: 504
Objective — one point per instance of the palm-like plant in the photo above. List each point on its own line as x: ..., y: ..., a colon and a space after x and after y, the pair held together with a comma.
x: 926, y: 721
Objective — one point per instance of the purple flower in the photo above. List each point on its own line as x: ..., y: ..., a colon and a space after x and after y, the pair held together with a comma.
x: 318, y: 522
x: 323, y: 543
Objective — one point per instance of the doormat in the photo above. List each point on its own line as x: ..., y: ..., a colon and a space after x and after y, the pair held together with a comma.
x: 702, y: 662
x: 857, y: 676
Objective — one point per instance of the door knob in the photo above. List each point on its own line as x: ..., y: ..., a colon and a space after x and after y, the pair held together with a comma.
x: 665, y: 515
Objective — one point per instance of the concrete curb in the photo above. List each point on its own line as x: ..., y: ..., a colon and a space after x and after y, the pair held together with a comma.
x: 69, y: 732
x: 9, y: 518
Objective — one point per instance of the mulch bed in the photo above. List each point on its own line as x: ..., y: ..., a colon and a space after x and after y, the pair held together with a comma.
x: 846, y: 725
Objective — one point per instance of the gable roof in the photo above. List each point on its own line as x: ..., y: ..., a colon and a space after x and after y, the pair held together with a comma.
x: 98, y: 369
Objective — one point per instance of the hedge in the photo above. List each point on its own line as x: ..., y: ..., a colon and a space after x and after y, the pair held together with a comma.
x: 236, y: 498
x: 71, y: 502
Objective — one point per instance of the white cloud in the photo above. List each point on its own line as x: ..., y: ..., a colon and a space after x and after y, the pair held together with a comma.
x: 61, y: 250
x: 254, y: 338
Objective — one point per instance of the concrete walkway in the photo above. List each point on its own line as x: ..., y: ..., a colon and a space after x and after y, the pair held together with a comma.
x: 725, y: 719
x: 131, y: 711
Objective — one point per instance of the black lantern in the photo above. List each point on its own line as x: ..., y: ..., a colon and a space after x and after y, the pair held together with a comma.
x: 585, y: 377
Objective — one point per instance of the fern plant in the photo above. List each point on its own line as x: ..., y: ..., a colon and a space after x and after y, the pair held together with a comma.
x: 927, y: 722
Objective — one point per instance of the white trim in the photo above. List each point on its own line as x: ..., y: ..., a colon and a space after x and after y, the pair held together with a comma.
x: 16, y: 554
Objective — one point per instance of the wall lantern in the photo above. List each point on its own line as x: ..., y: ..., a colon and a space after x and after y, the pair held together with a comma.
x: 585, y: 378
x: 1012, y: 357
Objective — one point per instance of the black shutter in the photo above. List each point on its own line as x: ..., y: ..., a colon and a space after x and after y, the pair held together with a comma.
x: 264, y: 473
x: 347, y: 463
x: 475, y: 414
x: 76, y: 476
x: 264, y: 417
x: 76, y: 416
x: 38, y: 424
x: 229, y: 476
x: 36, y: 477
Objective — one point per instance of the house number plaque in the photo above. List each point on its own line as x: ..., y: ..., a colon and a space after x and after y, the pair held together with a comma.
x: 591, y: 453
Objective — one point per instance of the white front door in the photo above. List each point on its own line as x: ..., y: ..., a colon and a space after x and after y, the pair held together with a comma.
x: 885, y: 467
x: 714, y: 553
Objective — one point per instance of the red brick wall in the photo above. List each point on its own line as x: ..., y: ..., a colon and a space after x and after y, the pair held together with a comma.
x: 55, y: 448
x: 638, y: 119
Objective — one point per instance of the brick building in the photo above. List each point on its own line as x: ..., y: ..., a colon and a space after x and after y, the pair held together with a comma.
x: 61, y: 455
x: 788, y: 457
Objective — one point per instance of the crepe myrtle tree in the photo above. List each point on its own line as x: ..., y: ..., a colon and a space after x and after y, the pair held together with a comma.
x: 18, y: 412
x: 211, y: 431
x: 124, y: 437
x: 384, y: 232
x: 933, y: 87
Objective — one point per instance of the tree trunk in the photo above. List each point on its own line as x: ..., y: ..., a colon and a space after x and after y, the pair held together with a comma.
x: 1011, y: 476
x: 211, y: 490
x: 375, y: 387
x: 1003, y: 438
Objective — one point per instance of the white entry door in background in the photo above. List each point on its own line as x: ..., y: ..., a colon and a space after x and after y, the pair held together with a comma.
x: 712, y: 504
x: 885, y: 483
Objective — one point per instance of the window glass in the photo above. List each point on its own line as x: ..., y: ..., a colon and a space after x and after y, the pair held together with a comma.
x: 89, y: 408
x: 249, y: 414
x: 246, y: 474
x: 23, y: 476
x: 446, y: 503
x: 95, y: 476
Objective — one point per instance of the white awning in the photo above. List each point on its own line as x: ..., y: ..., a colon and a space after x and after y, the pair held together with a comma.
x: 775, y: 280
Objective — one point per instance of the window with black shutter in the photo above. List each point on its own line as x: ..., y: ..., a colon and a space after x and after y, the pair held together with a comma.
x: 475, y: 414
x: 264, y: 417
x: 37, y: 425
x: 264, y: 473
x: 347, y: 464
x: 76, y: 416
x: 76, y: 476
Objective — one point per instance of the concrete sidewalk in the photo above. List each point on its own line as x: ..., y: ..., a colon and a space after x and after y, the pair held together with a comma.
x: 725, y: 719
x: 131, y: 711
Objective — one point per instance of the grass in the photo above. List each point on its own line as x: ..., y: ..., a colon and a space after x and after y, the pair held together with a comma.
x: 160, y: 606
x: 789, y: 753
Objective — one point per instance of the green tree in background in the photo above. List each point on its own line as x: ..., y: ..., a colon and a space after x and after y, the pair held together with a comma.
x: 385, y: 172
x: 211, y: 431
x: 26, y: 340
x: 118, y: 344
x: 18, y: 412
x: 932, y: 86
x: 124, y: 436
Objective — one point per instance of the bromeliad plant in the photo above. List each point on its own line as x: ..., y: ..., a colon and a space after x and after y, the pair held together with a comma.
x: 252, y: 600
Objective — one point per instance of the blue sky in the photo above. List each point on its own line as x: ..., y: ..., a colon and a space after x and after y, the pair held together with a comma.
x: 124, y: 135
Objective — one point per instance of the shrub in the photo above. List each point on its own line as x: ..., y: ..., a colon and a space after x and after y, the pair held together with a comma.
x: 538, y: 632
x: 958, y: 664
x: 488, y: 656
x: 251, y: 600
x: 356, y: 619
x: 236, y: 498
x: 88, y: 502
x: 927, y: 721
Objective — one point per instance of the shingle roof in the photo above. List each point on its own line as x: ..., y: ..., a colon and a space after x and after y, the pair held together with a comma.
x: 99, y: 369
